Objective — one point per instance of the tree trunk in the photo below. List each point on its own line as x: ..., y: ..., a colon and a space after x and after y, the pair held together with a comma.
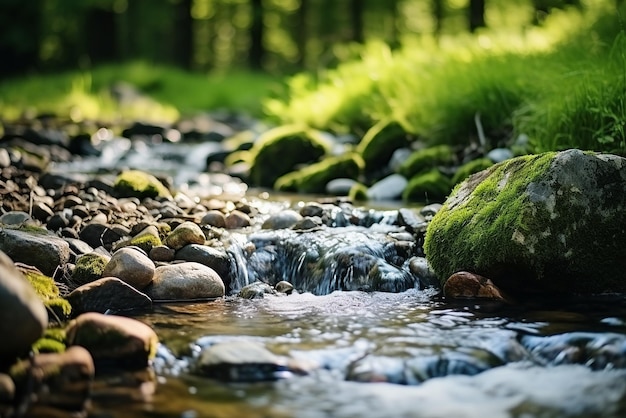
x: 302, y: 32
x: 438, y: 13
x: 476, y: 14
x: 183, y: 33
x: 257, y: 49
x: 356, y: 20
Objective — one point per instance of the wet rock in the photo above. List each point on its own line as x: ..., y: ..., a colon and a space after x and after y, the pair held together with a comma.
x: 36, y: 247
x: 388, y: 188
x: 18, y: 299
x: 413, y: 221
x: 256, y: 290
x: 185, y: 281
x: 537, y: 224
x: 218, y: 260
x: 237, y: 219
x: 113, y: 341
x: 61, y: 381
x: 107, y: 294
x: 466, y: 285
x: 283, y: 219
x: 284, y: 287
x: 184, y: 234
x: 340, y: 186
x: 419, y: 266
x: 162, y: 253
x: 312, y: 209
x: 131, y: 266
x: 214, y: 218
x: 241, y: 361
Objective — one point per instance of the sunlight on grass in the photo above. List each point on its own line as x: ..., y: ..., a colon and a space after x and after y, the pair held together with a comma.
x: 162, y: 94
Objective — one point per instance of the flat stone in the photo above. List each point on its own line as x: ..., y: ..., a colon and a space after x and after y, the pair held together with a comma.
x: 107, y: 294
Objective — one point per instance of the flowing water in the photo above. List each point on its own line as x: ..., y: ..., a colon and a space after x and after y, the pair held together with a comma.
x: 369, y: 354
x: 421, y: 357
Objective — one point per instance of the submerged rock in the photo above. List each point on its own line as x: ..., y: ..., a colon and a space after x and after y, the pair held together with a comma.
x: 548, y: 223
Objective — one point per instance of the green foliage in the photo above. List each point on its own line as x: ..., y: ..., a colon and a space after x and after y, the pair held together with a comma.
x: 315, y: 177
x: 135, y: 183
x: 428, y: 187
x: 425, y: 159
x: 165, y: 93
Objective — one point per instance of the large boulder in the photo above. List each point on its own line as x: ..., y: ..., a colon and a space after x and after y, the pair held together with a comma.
x: 550, y: 223
x: 35, y: 247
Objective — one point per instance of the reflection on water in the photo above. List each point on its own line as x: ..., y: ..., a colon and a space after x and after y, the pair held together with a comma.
x: 451, y: 361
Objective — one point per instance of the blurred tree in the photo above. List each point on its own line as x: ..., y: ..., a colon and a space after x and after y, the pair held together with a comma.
x: 476, y: 15
x: 20, y: 36
x: 257, y: 31
x: 183, y: 34
x: 356, y: 20
x: 438, y: 15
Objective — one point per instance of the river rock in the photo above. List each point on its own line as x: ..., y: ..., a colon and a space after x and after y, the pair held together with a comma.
x: 18, y: 300
x: 131, y: 266
x: 237, y: 219
x: 185, y: 281
x: 240, y: 361
x: 214, y: 218
x: 218, y: 260
x: 113, y: 340
x: 466, y: 285
x: 107, y: 293
x: 283, y: 219
x: 388, y: 188
x: 89, y: 267
x: 184, y: 234
x: 549, y: 223
x: 256, y: 290
x: 35, y: 247
x: 7, y: 392
x: 56, y: 380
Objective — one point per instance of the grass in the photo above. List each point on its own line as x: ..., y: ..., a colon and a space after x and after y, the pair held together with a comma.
x: 561, y: 84
x: 166, y: 93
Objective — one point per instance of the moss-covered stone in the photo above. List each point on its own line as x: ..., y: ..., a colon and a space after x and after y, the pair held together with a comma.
x: 380, y: 142
x: 426, y: 159
x: 470, y: 168
x: 48, y: 291
x: 547, y: 223
x: 432, y: 186
x: 315, y: 177
x: 48, y: 345
x: 358, y: 192
x: 280, y: 150
x: 89, y: 267
x: 135, y: 183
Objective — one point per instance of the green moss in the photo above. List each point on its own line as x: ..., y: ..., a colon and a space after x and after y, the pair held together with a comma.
x: 425, y: 159
x: 315, y: 177
x: 135, y: 183
x: 49, y: 293
x: 280, y: 150
x: 89, y: 267
x: 470, y: 168
x: 499, y: 207
x: 47, y: 345
x: 146, y: 242
x: 358, y: 192
x: 431, y: 186
x: 380, y: 142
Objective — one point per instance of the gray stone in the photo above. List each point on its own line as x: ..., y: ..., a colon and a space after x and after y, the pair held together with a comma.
x: 214, y: 218
x: 256, y: 290
x: 185, y: 281
x: 36, y: 248
x: 218, y: 260
x: 283, y: 219
x: 18, y: 300
x: 497, y: 155
x: 340, y: 187
x: 547, y: 223
x: 15, y: 218
x: 107, y: 294
x: 389, y: 188
x: 131, y: 266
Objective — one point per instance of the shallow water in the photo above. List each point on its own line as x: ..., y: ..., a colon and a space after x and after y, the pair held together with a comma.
x: 348, y: 336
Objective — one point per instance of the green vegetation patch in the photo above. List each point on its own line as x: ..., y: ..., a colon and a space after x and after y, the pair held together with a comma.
x: 470, y: 168
x: 281, y: 150
x: 380, y: 142
x: 49, y: 293
x: 135, y: 183
x: 315, y: 177
x: 432, y: 186
x: 89, y: 267
x: 424, y: 160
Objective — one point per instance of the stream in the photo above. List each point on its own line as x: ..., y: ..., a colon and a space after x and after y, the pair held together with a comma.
x: 401, y: 352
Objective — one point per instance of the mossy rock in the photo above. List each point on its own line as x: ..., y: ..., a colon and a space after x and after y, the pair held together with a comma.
x: 470, y: 168
x: 426, y: 159
x: 315, y: 177
x: 281, y: 150
x: 136, y: 183
x: 380, y: 142
x: 89, y: 267
x: 551, y: 223
x: 432, y: 186
x: 53, y: 341
x: 49, y: 293
x: 358, y: 192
